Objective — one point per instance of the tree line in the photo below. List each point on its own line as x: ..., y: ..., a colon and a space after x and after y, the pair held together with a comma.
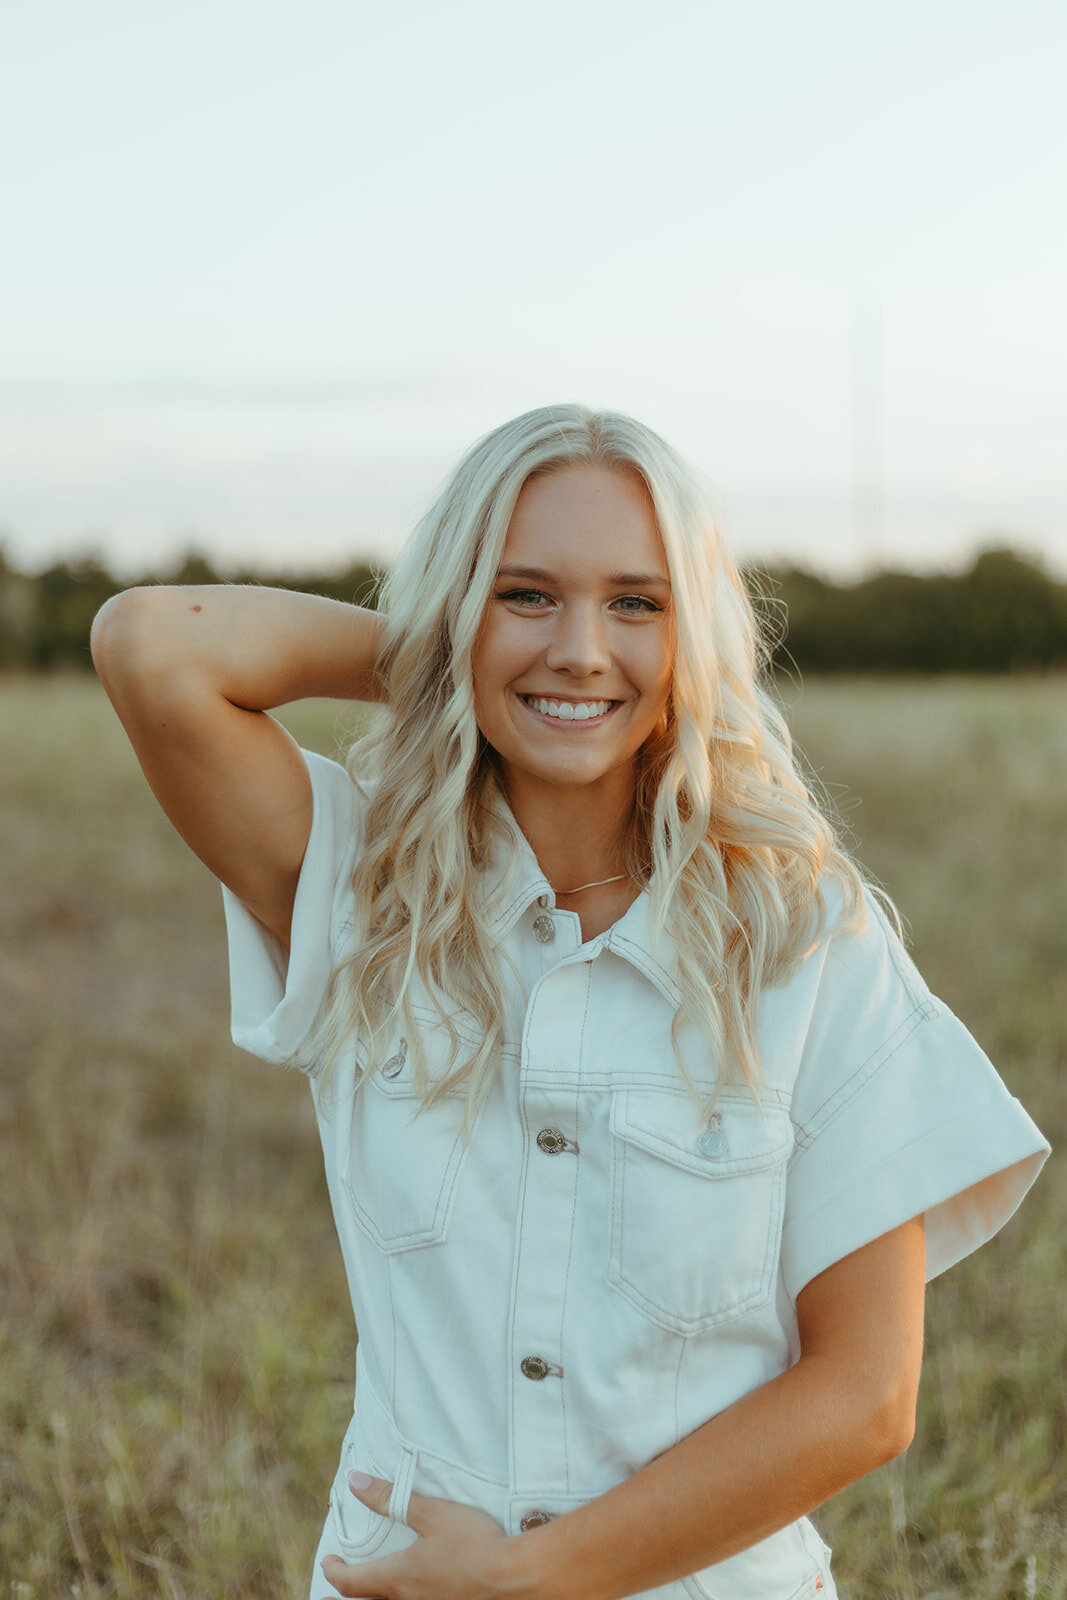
x: 1004, y: 613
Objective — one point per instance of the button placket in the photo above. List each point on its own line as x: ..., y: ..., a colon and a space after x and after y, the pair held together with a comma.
x: 551, y: 1142
x: 543, y: 1263
x: 534, y: 1519
x: 537, y: 1367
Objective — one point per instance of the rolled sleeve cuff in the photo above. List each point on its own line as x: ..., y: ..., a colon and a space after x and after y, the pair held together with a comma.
x: 276, y: 995
x: 944, y: 1175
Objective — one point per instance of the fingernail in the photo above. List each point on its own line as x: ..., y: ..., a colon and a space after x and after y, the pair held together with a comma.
x: 359, y: 1480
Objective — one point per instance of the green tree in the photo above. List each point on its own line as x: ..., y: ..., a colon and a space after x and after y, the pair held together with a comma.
x: 67, y: 597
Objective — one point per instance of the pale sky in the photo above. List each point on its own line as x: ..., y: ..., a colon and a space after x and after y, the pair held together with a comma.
x: 267, y: 269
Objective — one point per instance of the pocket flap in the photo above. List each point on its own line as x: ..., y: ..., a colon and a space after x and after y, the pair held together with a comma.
x: 742, y: 1137
x: 444, y: 1048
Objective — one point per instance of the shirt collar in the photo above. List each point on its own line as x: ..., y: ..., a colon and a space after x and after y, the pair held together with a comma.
x: 513, y: 880
x: 651, y: 949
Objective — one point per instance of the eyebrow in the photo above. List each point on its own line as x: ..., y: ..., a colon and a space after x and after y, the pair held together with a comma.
x: 636, y: 580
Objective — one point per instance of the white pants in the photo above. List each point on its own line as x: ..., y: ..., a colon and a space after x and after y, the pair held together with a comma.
x: 320, y: 1589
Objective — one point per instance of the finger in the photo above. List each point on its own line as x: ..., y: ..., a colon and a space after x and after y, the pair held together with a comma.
x: 368, y: 1580
x: 421, y: 1508
x: 372, y: 1492
x: 375, y: 1493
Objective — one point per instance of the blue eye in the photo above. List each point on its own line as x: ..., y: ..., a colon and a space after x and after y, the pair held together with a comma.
x: 633, y: 605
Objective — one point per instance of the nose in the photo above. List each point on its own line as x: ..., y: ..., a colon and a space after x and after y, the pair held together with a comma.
x: 579, y: 644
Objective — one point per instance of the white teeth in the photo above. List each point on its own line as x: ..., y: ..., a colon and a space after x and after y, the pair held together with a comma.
x: 570, y: 711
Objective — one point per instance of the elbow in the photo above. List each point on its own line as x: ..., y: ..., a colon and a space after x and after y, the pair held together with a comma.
x: 107, y: 623
x: 103, y: 633
x: 874, y: 1421
x: 116, y: 629
x: 890, y: 1425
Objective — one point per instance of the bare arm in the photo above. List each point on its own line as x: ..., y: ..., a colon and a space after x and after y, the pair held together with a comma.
x: 192, y: 672
x: 847, y: 1406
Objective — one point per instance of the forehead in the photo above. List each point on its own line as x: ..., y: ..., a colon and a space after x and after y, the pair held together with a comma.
x: 586, y: 512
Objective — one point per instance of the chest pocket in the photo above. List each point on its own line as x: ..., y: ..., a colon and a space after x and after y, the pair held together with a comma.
x: 405, y: 1159
x: 696, y: 1222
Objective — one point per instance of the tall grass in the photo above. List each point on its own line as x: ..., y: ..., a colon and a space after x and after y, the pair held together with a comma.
x: 955, y: 792
x: 175, y: 1339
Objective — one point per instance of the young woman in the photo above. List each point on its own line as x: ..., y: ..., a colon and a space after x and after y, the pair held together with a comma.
x: 642, y: 1131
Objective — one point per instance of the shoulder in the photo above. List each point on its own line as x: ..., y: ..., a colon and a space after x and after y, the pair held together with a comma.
x: 865, y: 944
x: 853, y: 997
x: 853, y: 933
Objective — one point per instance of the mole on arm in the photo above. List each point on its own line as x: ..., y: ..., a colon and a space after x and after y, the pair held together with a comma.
x: 196, y: 608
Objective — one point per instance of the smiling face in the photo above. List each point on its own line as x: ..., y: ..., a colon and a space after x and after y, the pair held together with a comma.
x: 573, y: 663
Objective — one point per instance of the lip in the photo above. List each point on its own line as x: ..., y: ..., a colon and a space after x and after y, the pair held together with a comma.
x: 559, y: 723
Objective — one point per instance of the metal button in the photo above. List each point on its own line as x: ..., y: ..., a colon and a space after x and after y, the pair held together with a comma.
x: 713, y: 1141
x: 551, y: 1141
x: 395, y: 1065
x: 533, y: 1367
x: 534, y: 1519
x: 544, y: 930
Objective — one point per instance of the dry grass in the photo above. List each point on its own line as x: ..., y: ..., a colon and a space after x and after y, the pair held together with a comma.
x: 175, y: 1340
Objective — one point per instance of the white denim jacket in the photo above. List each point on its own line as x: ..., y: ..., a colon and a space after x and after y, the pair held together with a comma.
x: 545, y: 1307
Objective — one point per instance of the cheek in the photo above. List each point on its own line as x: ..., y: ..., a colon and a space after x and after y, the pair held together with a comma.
x: 486, y: 687
x: 482, y: 704
x: 501, y: 654
x: 658, y: 670
x: 660, y: 695
x: 481, y: 663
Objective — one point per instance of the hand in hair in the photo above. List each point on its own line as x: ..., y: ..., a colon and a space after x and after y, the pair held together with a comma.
x: 192, y: 672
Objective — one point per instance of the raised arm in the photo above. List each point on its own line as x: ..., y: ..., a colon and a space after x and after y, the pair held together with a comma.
x: 192, y: 672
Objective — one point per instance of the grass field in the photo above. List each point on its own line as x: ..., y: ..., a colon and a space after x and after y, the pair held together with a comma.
x: 175, y: 1339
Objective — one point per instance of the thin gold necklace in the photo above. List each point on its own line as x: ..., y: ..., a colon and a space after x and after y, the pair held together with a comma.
x: 599, y: 884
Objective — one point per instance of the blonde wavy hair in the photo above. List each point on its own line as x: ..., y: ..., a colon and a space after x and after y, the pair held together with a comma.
x: 734, y: 849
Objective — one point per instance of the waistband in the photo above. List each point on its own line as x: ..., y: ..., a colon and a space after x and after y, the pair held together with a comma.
x: 375, y: 1444
x: 792, y: 1564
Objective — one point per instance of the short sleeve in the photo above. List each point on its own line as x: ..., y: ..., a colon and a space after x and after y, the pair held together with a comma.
x: 897, y: 1112
x: 275, y: 996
